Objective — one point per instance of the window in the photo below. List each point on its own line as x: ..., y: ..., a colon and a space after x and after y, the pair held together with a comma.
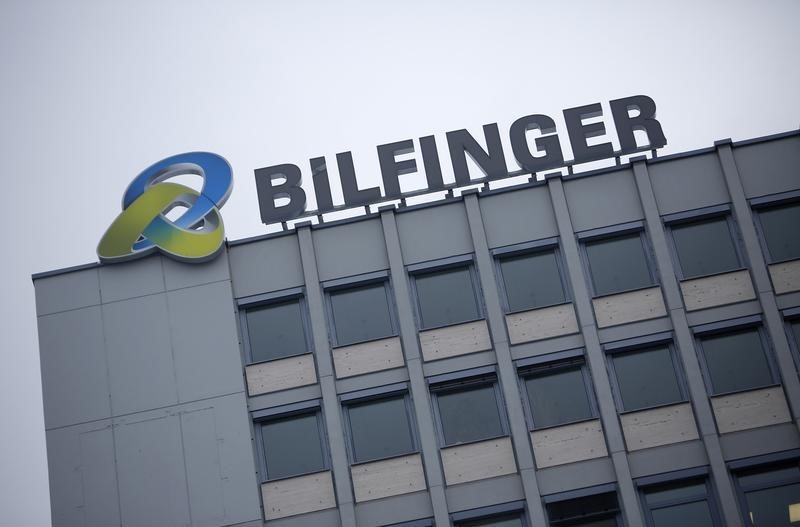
x: 779, y: 231
x: 705, y: 247
x: 507, y: 520
x: 380, y: 428
x: 770, y: 496
x: 446, y: 297
x: 291, y: 446
x: 618, y: 264
x: 598, y: 510
x: 469, y: 412
x: 688, y: 504
x: 276, y: 330
x: 361, y: 313
x: 558, y: 394
x: 736, y: 361
x: 532, y: 280
x: 646, y: 378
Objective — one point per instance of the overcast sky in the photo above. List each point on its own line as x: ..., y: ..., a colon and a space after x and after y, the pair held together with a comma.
x: 92, y: 92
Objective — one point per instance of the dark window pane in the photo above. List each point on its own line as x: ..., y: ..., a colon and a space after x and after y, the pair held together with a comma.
x: 380, y: 429
x: 780, y: 231
x: 705, y: 247
x: 618, y: 264
x: 532, y: 281
x: 675, y: 492
x: 646, y: 378
x: 446, y: 297
x: 775, y: 507
x: 760, y: 477
x: 469, y: 415
x: 292, y: 446
x: 276, y: 331
x: 570, y: 512
x: 736, y: 362
x: 558, y: 397
x: 695, y: 514
x: 361, y: 314
x: 502, y: 521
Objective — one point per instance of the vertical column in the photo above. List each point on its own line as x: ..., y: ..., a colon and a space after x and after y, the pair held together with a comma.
x: 594, y: 354
x: 685, y: 344
x: 758, y: 268
x: 505, y: 366
x: 330, y: 401
x: 419, y: 390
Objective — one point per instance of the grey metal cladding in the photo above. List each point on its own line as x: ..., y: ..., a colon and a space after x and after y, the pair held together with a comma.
x: 266, y: 265
x: 434, y: 232
x: 702, y: 174
x: 74, y: 369
x: 67, y: 291
x: 350, y: 249
x: 181, y: 274
x: 769, y: 167
x: 131, y: 279
x: 602, y: 200
x: 517, y: 217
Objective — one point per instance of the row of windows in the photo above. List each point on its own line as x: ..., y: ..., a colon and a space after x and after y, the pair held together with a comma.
x: 446, y: 296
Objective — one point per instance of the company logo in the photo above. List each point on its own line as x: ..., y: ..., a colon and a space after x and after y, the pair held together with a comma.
x: 143, y: 226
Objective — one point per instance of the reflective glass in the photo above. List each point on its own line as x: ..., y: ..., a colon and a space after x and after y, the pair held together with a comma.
x: 775, y: 507
x: 675, y: 492
x: 696, y: 514
x: 646, y: 378
x: 705, y: 247
x: 276, y: 331
x: 558, y: 397
x: 446, y: 297
x: 736, y: 361
x: 380, y: 429
x: 574, y: 512
x: 618, y: 264
x: 292, y: 446
x: 532, y: 281
x: 361, y: 314
x: 780, y: 231
x: 469, y: 415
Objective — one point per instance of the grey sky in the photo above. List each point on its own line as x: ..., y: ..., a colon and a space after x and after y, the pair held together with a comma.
x: 92, y: 92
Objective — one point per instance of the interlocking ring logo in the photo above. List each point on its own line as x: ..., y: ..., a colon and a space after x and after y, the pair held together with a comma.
x: 143, y: 226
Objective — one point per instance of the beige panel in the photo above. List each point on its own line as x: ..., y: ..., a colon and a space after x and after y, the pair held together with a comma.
x: 455, y: 340
x: 474, y: 461
x: 659, y: 426
x: 752, y: 409
x: 785, y: 276
x: 717, y: 290
x: 299, y: 495
x: 568, y: 443
x: 366, y: 357
x: 266, y: 377
x: 389, y: 477
x: 543, y: 323
x: 643, y: 304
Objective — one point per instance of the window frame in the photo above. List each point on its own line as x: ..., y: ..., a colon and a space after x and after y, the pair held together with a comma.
x: 355, y: 282
x: 446, y: 264
x: 699, y: 216
x: 757, y: 205
x: 530, y: 249
x: 684, y: 477
x: 792, y: 316
x: 274, y: 299
x: 609, y: 233
x: 585, y: 492
x: 472, y: 378
x: 283, y: 412
x: 766, y: 462
x: 492, y: 512
x: 376, y: 395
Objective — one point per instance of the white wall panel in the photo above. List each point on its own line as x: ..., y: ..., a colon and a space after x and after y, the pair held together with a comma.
x: 367, y: 357
x: 455, y: 340
x: 568, y: 443
x: 266, y: 377
x: 659, y: 426
x: 752, y: 409
x: 292, y: 496
x: 785, y: 276
x: 717, y: 290
x: 474, y: 461
x: 644, y: 304
x: 539, y: 324
x: 389, y: 477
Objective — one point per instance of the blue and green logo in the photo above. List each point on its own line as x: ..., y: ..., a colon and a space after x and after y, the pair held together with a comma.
x: 143, y: 226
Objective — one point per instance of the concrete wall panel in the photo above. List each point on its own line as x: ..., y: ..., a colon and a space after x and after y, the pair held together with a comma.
x: 292, y: 496
x: 350, y: 249
x: 644, y: 304
x: 752, y: 409
x: 265, y: 266
x: 517, y: 217
x: 389, y: 477
x: 67, y: 291
x: 266, y: 377
x: 603, y: 200
x: 769, y: 167
x: 717, y: 290
x: 368, y: 357
x: 785, y: 276
x: 702, y: 174
x: 455, y: 340
x: 131, y: 279
x: 539, y: 324
x: 434, y: 232
x: 659, y: 426
x: 486, y: 459
x: 568, y: 443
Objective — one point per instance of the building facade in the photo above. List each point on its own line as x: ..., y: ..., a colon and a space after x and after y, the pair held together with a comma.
x: 618, y: 347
